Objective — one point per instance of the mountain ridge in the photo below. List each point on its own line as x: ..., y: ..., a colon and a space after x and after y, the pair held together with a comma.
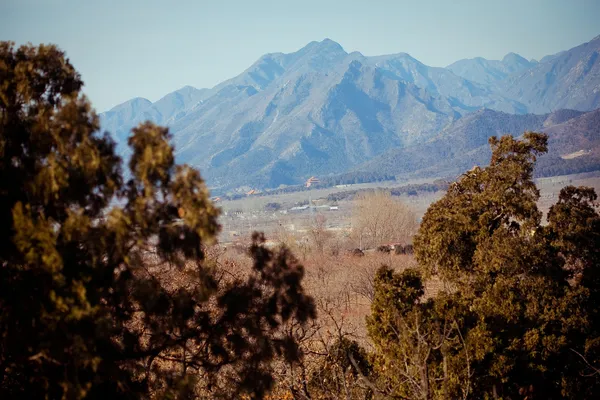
x: 321, y: 110
x: 465, y: 143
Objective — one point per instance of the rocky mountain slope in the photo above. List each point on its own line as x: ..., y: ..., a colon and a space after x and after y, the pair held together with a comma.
x: 321, y: 110
x: 568, y: 80
x: 489, y: 72
x: 573, y: 145
x: 120, y: 119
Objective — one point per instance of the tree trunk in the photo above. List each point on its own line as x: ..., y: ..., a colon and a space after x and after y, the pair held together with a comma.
x: 445, y: 383
x: 425, y: 395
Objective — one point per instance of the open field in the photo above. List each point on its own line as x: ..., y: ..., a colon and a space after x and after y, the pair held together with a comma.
x: 550, y: 187
x: 243, y: 216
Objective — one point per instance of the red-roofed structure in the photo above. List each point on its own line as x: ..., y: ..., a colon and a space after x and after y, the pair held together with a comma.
x: 311, y: 181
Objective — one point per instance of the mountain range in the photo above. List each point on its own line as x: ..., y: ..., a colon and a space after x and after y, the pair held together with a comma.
x: 323, y: 111
x: 573, y: 145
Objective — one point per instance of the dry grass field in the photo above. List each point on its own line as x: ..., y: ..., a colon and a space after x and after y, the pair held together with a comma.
x: 550, y: 187
x: 241, y: 217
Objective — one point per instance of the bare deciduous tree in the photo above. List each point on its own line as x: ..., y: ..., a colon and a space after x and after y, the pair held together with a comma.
x: 379, y: 218
x: 319, y: 235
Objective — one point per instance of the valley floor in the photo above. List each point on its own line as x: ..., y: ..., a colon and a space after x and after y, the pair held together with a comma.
x: 294, y: 217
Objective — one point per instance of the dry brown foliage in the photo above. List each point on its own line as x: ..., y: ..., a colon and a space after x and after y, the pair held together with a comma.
x: 378, y: 218
x: 342, y: 286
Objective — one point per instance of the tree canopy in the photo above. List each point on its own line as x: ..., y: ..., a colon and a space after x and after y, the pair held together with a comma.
x: 517, y: 315
x: 105, y: 291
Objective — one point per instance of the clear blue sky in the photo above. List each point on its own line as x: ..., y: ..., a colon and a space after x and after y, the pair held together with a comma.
x: 148, y: 48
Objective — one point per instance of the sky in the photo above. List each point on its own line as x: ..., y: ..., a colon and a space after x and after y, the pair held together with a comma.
x: 148, y: 48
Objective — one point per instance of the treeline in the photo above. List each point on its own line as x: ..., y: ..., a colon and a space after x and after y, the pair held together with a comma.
x: 356, y: 177
x: 406, y: 190
x: 555, y: 166
x: 546, y: 167
x: 349, y: 178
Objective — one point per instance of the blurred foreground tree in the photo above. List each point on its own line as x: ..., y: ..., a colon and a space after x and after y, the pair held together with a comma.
x: 519, y: 313
x: 119, y: 302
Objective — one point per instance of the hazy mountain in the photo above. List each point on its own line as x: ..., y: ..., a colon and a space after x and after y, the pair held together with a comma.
x: 570, y: 79
x: 321, y: 111
x: 574, y: 146
x: 314, y: 57
x: 464, y: 144
x: 120, y: 119
x: 489, y: 72
x: 310, y: 123
x: 466, y: 93
x: 551, y: 56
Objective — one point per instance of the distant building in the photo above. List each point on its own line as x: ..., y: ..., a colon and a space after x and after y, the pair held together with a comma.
x: 251, y: 192
x: 299, y: 208
x: 311, y: 181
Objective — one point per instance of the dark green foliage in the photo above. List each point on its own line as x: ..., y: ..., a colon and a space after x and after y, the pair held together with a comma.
x: 355, y: 177
x: 410, y: 190
x: 384, y: 249
x: 328, y: 181
x: 419, y: 347
x: 408, y: 249
x: 554, y: 165
x: 480, y: 202
x: 271, y: 207
x: 101, y: 302
x: 518, y: 316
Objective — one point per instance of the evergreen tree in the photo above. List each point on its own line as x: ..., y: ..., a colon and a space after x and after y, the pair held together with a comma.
x: 104, y: 288
x: 518, y: 313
